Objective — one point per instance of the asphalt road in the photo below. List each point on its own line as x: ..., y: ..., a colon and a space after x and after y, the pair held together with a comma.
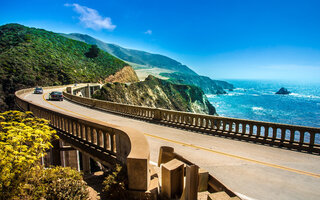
x: 254, y: 170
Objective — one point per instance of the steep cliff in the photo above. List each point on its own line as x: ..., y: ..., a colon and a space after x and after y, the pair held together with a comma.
x: 154, y: 92
x: 125, y: 75
x: 208, y: 85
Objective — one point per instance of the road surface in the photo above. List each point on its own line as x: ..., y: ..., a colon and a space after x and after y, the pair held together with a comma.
x: 254, y: 170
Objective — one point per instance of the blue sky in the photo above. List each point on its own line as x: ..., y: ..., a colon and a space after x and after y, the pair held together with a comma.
x: 223, y: 39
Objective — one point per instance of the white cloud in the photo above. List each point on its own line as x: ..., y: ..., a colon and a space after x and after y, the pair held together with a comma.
x: 91, y: 18
x: 148, y: 32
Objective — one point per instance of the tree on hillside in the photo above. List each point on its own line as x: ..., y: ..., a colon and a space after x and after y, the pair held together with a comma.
x: 93, y: 51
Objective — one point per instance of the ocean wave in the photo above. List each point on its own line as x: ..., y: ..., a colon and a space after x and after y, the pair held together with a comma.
x: 239, y: 89
x: 304, y: 96
x: 257, y: 108
x: 235, y: 94
x: 211, y: 95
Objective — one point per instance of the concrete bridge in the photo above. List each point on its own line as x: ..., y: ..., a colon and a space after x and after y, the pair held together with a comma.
x: 269, y: 165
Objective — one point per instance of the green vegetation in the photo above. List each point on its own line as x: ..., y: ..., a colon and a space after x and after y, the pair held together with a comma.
x: 30, y: 57
x: 57, y: 183
x: 23, y: 141
x: 93, y: 51
x: 148, y: 63
x: 135, y: 56
x: 154, y: 92
x: 115, y: 184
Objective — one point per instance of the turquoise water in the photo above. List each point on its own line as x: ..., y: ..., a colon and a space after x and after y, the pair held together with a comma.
x: 256, y: 100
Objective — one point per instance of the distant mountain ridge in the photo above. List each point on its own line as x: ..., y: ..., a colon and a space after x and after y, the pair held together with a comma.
x: 158, y: 65
x: 134, y: 56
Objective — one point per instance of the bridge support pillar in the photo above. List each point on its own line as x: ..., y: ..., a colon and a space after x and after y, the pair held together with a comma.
x: 71, y: 159
x: 55, y: 153
x: 86, y: 163
x: 88, y: 92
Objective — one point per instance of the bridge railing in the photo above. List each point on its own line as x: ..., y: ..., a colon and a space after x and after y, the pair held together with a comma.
x: 106, y: 143
x: 284, y: 135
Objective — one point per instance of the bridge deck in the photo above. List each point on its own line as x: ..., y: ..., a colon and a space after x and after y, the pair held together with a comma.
x: 257, y: 171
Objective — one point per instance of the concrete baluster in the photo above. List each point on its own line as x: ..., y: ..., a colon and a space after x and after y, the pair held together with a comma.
x: 88, y: 134
x: 258, y: 130
x: 94, y: 136
x: 112, y: 142
x: 292, y: 133
x: 274, y: 133
x: 283, y: 134
x: 237, y: 127
x: 311, y: 143
x: 104, y: 142
x: 250, y: 129
x: 224, y: 124
x: 100, y: 138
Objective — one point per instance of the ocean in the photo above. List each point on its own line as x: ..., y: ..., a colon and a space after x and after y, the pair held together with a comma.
x: 256, y: 100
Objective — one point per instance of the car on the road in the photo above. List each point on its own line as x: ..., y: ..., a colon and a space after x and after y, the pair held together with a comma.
x: 56, y: 96
x: 38, y: 90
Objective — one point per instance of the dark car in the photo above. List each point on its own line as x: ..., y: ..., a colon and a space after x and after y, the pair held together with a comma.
x: 38, y: 90
x: 56, y: 96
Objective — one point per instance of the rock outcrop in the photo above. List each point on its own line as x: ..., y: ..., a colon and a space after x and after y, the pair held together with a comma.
x: 154, y: 92
x: 208, y: 85
x: 125, y: 75
x: 283, y: 91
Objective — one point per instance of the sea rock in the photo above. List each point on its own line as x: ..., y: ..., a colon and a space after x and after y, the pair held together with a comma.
x: 283, y: 91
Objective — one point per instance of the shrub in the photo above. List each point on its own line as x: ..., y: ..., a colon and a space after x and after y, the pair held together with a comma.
x: 64, y: 183
x: 115, y: 184
x: 23, y: 141
x: 54, y: 184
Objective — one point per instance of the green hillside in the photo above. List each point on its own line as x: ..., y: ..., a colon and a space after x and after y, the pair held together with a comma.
x: 30, y: 57
x: 158, y: 65
x: 134, y: 56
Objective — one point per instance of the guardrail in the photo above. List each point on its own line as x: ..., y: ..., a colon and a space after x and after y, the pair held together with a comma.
x: 109, y: 144
x: 283, y: 135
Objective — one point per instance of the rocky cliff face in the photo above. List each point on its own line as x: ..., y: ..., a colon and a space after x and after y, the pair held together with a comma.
x: 125, y: 75
x: 154, y: 92
x: 208, y: 85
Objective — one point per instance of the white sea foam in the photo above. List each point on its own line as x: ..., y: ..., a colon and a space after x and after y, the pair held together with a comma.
x: 304, y: 96
x: 257, y: 108
x: 239, y: 89
x: 235, y: 94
